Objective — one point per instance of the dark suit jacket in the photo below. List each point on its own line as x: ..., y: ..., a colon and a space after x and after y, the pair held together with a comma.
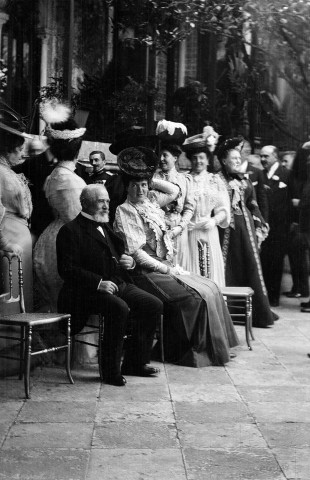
x: 84, y: 256
x: 278, y: 200
x: 83, y: 259
x: 257, y: 178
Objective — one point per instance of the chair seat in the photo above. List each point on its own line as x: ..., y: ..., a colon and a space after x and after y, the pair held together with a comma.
x: 237, y: 291
x: 31, y: 319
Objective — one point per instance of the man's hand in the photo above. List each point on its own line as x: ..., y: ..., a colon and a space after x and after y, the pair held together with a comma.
x: 106, y: 286
x: 126, y: 262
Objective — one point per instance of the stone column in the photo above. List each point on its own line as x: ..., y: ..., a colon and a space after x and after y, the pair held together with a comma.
x: 4, y: 17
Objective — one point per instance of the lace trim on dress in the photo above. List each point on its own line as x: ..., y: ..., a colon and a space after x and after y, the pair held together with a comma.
x: 153, y: 216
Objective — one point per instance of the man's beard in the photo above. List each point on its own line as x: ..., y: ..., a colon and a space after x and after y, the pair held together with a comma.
x: 101, y: 217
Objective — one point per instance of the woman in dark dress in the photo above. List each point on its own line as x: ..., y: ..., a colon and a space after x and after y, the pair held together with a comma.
x: 198, y: 328
x: 247, y: 229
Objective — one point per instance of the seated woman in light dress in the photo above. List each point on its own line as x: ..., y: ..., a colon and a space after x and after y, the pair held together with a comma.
x: 198, y: 330
x: 62, y: 189
x: 212, y: 208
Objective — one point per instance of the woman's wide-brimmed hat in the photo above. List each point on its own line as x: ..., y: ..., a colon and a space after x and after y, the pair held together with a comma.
x: 171, y: 132
x: 11, y: 122
x: 133, y: 137
x: 59, y: 122
x: 202, y: 142
x: 138, y: 162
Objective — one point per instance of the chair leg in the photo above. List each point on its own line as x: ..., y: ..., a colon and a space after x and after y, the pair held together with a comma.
x: 247, y: 322
x: 21, y: 352
x: 161, y: 337
x: 27, y: 362
x: 68, y: 352
x: 250, y: 322
x: 100, y: 341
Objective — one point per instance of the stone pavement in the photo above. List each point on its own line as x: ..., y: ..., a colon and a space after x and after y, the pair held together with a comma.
x: 248, y: 420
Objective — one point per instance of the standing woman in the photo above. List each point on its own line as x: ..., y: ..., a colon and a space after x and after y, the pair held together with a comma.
x: 212, y: 210
x: 15, y: 201
x: 247, y: 228
x: 62, y: 190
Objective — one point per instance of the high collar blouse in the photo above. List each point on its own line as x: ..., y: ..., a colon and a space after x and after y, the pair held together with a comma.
x: 15, y: 196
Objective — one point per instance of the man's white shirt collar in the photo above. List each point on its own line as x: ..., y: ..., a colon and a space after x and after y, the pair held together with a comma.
x: 272, y: 170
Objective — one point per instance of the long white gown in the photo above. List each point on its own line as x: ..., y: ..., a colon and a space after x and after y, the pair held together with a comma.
x: 62, y: 189
x: 211, y: 199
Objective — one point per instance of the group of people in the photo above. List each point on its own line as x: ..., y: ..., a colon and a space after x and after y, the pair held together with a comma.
x: 126, y: 245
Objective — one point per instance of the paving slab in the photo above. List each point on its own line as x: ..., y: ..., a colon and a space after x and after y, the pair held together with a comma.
x: 220, y: 464
x: 275, y: 393
x: 11, y: 389
x: 287, y: 435
x: 294, y: 462
x: 135, y: 464
x: 135, y: 435
x: 43, y: 464
x: 58, y: 412
x: 207, y: 412
x: 204, y: 393
x: 9, y: 411
x: 281, y: 412
x: 135, y: 411
x: 267, y: 377
x: 207, y: 376
x: 49, y: 435
x: 142, y: 392
x: 220, y: 435
x: 65, y: 392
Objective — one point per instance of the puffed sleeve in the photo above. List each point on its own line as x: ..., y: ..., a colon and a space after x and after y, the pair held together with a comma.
x: 163, y: 192
x: 129, y: 225
x: 222, y: 207
x: 63, y: 194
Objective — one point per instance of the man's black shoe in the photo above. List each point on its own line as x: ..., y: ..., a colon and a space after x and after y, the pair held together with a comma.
x: 292, y: 294
x: 116, y: 380
x: 305, y: 309
x: 141, y: 371
x: 305, y: 304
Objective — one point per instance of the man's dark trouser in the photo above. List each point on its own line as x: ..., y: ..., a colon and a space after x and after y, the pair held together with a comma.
x: 145, y: 310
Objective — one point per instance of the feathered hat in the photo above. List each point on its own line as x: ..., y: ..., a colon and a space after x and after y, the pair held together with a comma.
x: 138, y: 162
x: 133, y: 137
x: 203, y: 142
x: 12, y: 122
x: 57, y: 118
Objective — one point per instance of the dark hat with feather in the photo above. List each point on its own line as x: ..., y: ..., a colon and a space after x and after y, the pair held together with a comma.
x: 138, y: 162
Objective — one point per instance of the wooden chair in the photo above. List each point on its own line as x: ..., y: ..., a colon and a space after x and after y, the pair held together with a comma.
x: 77, y: 338
x: 238, y: 299
x: 26, y: 322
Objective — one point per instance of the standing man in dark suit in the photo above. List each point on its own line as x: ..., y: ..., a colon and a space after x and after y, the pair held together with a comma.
x: 95, y: 270
x: 256, y: 176
x: 274, y: 247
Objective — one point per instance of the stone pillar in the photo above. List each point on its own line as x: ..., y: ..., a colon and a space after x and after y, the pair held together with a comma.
x: 4, y: 17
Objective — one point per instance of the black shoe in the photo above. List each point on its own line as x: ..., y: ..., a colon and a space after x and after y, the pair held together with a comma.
x: 116, y: 380
x: 305, y: 309
x: 141, y: 371
x: 292, y: 294
x: 305, y: 304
